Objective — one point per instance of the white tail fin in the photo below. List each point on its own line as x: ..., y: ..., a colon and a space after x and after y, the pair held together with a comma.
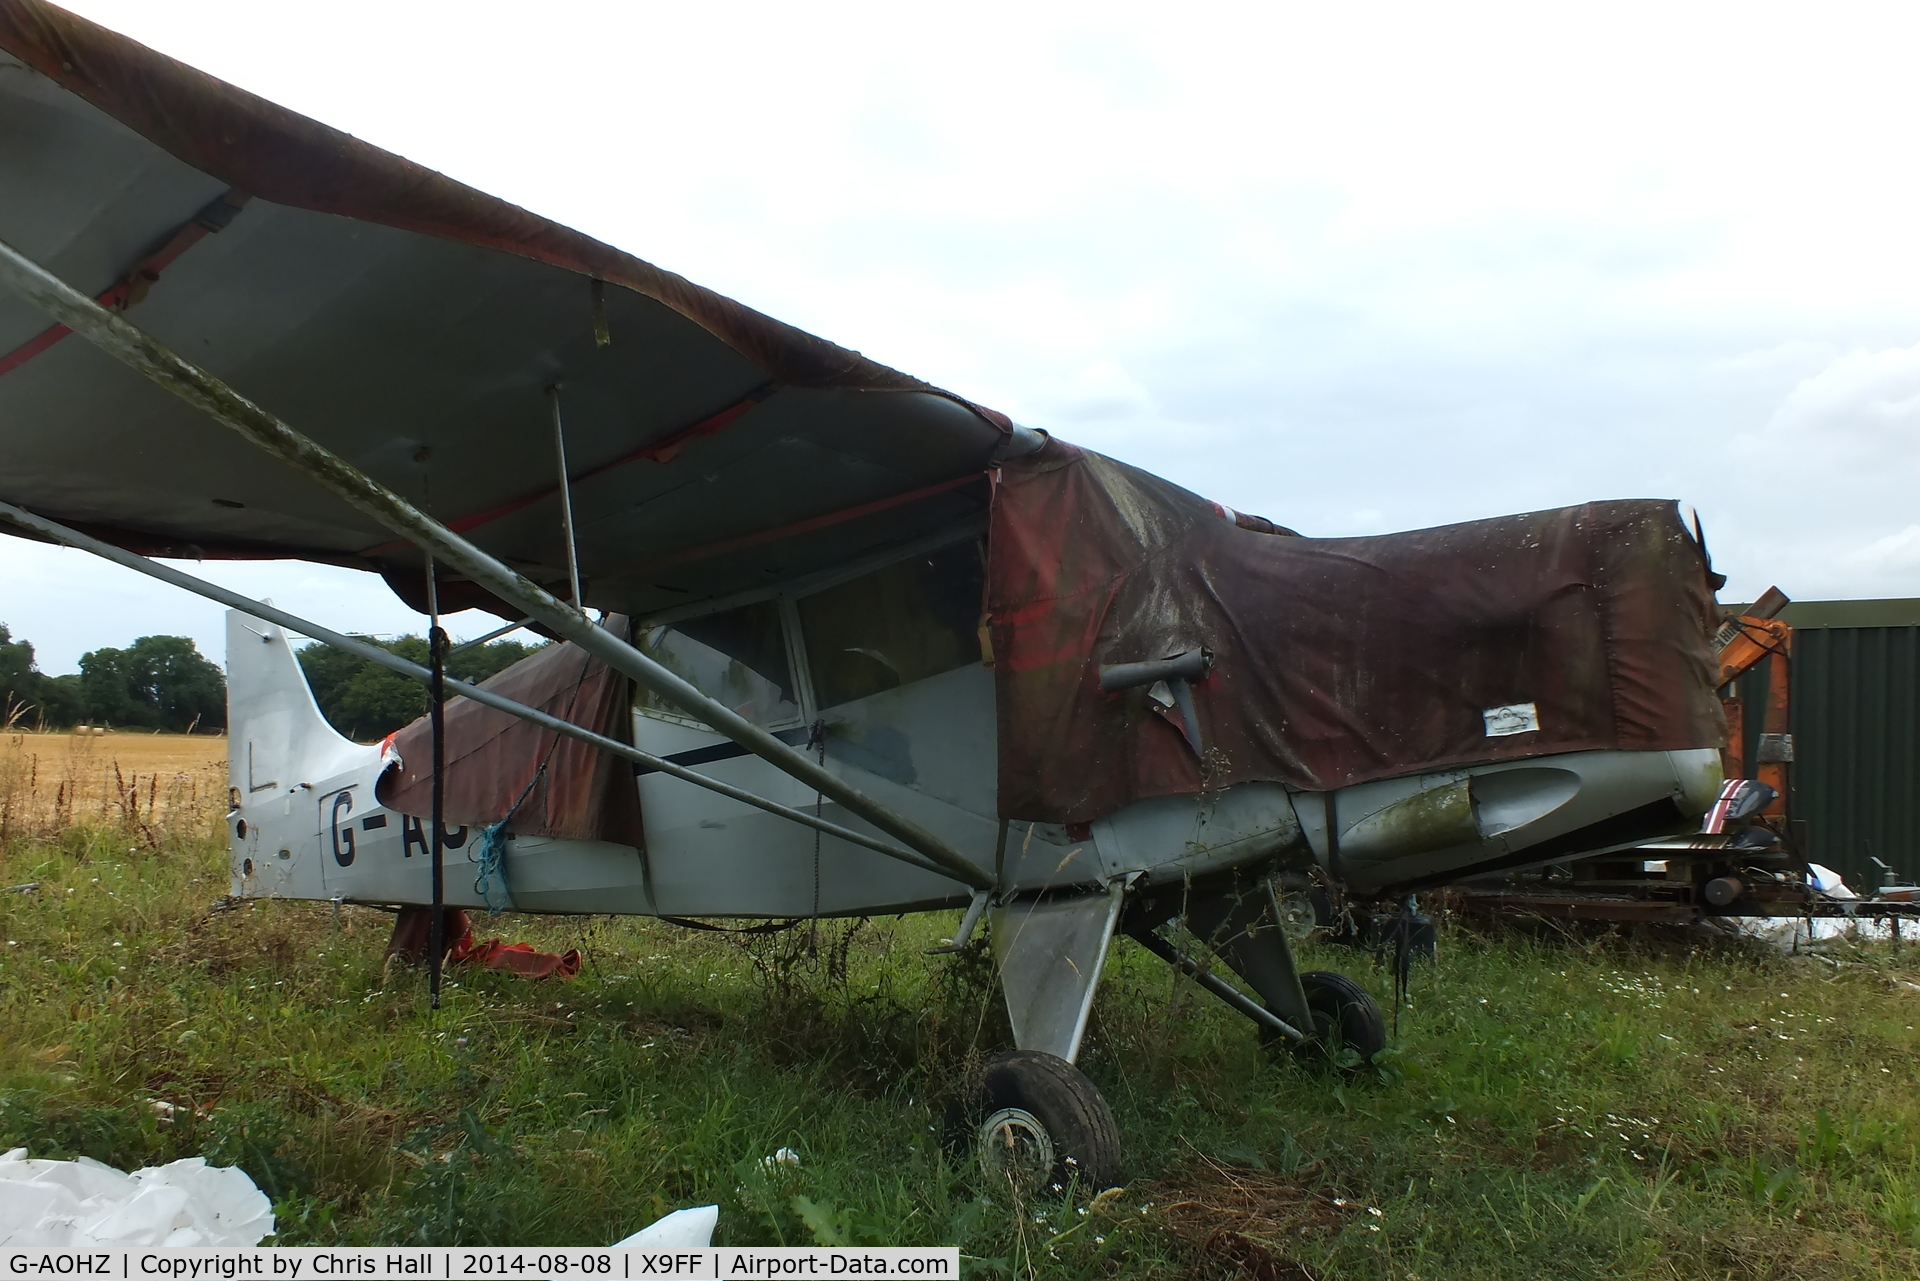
x: 276, y: 737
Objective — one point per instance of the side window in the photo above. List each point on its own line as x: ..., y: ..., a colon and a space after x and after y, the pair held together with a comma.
x: 737, y: 657
x: 914, y: 619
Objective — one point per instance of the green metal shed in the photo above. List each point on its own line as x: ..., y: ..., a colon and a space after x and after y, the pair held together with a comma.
x: 1855, y: 776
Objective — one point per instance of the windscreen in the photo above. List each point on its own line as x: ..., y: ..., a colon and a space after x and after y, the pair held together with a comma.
x: 913, y: 619
x: 737, y: 657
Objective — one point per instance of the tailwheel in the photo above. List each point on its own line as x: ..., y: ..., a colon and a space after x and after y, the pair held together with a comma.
x: 1345, y: 1018
x: 1040, y: 1124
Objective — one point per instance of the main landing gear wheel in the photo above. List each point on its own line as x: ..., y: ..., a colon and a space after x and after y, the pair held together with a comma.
x: 1039, y: 1123
x: 1345, y: 1017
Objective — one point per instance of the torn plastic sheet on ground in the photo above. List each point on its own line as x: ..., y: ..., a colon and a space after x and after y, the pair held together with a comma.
x: 83, y: 1204
x: 682, y: 1230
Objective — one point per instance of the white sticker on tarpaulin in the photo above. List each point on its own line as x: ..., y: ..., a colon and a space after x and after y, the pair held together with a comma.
x: 1514, y: 718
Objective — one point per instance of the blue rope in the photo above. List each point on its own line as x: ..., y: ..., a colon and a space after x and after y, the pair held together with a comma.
x: 490, y: 859
x: 490, y: 855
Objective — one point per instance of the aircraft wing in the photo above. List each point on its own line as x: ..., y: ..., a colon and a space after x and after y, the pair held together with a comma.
x: 415, y: 326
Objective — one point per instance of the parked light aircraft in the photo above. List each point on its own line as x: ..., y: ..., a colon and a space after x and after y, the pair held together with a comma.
x: 889, y: 652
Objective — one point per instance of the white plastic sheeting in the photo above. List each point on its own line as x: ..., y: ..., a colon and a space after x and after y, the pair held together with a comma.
x: 681, y: 1230
x: 1793, y: 933
x: 66, y: 1205
x: 1828, y: 881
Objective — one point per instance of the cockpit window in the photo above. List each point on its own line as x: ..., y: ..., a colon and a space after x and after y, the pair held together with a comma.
x: 736, y: 657
x: 914, y: 619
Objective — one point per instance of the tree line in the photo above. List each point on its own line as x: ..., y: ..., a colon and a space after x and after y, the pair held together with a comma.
x: 367, y: 702
x: 165, y: 683
x: 156, y: 683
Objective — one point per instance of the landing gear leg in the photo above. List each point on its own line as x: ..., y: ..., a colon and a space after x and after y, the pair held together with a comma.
x: 1242, y: 924
x: 1034, y: 1117
x: 1319, y: 1012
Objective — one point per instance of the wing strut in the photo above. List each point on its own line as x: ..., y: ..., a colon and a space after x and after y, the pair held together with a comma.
x: 566, y: 500
x: 393, y: 662
x: 145, y: 354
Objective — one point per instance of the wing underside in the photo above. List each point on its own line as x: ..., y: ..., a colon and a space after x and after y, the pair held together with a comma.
x: 417, y: 328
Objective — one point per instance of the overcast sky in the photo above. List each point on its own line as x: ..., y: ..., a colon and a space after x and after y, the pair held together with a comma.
x: 1357, y: 268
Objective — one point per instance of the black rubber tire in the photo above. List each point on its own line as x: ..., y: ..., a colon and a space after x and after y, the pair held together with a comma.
x: 1344, y: 1015
x: 1060, y: 1099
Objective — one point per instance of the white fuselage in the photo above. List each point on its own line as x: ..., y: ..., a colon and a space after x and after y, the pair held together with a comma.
x: 308, y: 824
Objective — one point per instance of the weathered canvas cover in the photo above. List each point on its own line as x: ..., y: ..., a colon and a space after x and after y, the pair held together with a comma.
x: 585, y: 794
x: 1337, y: 660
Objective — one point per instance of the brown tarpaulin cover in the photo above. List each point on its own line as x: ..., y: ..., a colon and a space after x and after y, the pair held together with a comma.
x: 1337, y: 660
x: 586, y: 794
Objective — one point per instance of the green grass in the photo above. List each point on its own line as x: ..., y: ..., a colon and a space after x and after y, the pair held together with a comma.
x: 1552, y: 1107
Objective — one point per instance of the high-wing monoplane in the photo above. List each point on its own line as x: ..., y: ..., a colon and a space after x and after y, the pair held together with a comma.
x: 832, y: 641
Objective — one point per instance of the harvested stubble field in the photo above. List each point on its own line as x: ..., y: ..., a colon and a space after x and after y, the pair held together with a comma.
x: 1553, y: 1107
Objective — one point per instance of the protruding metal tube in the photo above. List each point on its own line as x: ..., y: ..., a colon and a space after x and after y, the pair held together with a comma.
x: 1020, y: 442
x: 1187, y: 665
x: 968, y: 922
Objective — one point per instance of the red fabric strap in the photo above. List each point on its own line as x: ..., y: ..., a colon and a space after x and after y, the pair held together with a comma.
x: 133, y: 283
x: 661, y: 451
